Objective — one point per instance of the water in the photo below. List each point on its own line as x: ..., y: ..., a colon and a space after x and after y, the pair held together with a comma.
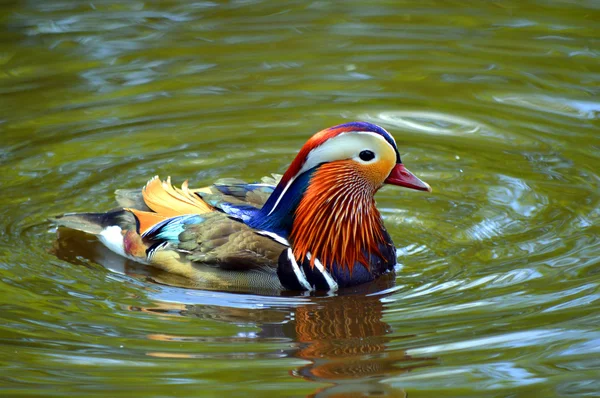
x: 495, y: 104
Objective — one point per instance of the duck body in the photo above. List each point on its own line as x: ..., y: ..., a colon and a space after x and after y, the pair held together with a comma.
x: 315, y: 228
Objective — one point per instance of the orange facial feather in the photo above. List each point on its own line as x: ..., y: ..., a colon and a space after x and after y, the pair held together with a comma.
x: 336, y: 220
x: 133, y: 244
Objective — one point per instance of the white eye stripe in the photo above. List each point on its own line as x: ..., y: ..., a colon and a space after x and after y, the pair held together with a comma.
x: 342, y: 146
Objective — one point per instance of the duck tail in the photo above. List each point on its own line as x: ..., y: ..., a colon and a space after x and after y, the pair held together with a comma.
x: 95, y: 223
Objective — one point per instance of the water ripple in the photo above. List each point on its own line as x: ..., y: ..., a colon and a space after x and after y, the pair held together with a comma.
x: 494, y: 106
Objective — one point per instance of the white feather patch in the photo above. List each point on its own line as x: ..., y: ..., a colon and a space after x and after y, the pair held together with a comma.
x: 275, y: 237
x: 333, y: 286
x: 112, y: 237
x: 158, y: 248
x: 300, y: 275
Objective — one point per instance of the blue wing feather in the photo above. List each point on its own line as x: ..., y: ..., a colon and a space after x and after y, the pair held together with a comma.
x: 169, y: 229
x: 242, y: 212
x: 237, y: 190
x: 241, y: 190
x: 280, y: 220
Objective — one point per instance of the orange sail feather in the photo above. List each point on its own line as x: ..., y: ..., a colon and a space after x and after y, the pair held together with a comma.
x: 168, y: 201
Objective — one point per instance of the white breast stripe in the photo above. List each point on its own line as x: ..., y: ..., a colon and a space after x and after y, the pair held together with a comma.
x: 333, y: 286
x: 275, y: 237
x: 152, y: 252
x: 298, y: 271
x: 283, y: 193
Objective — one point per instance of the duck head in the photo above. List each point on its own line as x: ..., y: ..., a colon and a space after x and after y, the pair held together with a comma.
x: 324, y: 206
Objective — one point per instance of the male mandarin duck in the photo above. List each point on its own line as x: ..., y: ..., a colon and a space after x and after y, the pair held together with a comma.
x: 316, y: 229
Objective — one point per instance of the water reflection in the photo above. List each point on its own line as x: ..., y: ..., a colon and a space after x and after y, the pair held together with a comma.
x: 495, y: 105
x: 346, y: 341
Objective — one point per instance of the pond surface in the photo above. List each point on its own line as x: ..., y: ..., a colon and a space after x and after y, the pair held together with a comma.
x: 495, y: 104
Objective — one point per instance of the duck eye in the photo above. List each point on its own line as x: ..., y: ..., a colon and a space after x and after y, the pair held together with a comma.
x: 366, y: 155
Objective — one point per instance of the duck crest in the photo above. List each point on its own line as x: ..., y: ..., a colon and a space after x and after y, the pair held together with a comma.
x: 336, y: 221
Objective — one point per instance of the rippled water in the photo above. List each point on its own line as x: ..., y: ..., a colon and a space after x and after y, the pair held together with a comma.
x: 495, y: 104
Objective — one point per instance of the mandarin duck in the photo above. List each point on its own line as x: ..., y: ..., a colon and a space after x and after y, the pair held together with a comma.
x: 317, y: 228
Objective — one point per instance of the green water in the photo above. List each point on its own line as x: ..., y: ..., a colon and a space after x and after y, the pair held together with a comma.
x: 495, y: 104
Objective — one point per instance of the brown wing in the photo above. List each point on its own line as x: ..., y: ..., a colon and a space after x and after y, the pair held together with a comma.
x: 228, y: 244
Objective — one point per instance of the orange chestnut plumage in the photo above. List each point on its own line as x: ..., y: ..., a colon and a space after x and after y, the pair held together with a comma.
x: 336, y: 224
x: 336, y: 219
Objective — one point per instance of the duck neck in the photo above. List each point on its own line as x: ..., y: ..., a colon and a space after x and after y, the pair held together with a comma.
x: 278, y: 213
x: 336, y: 220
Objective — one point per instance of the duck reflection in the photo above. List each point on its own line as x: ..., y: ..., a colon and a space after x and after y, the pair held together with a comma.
x: 346, y: 341
x: 344, y: 338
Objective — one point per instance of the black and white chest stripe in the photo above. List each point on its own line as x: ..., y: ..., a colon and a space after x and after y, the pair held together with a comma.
x: 294, y: 276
